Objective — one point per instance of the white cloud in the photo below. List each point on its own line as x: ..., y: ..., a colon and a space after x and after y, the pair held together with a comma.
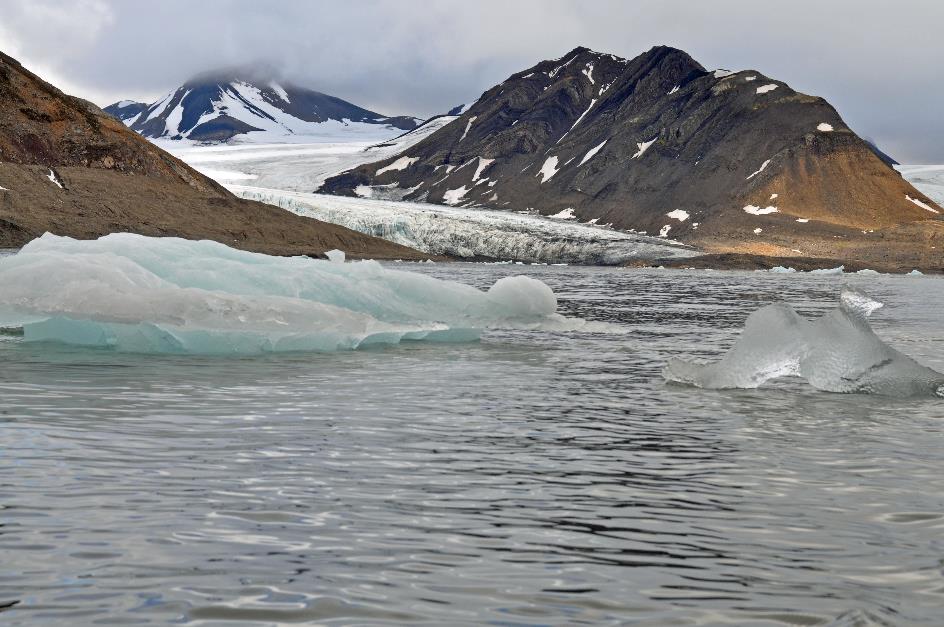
x: 380, y: 55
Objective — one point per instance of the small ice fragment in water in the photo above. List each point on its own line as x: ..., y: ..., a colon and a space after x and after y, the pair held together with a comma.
x: 335, y: 256
x: 828, y: 271
x: 838, y: 352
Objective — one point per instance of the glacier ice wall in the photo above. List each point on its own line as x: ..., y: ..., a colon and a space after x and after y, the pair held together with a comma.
x: 469, y: 233
x: 838, y: 352
x: 142, y: 294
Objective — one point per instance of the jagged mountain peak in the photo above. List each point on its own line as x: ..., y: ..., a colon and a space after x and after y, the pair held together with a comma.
x: 252, y: 101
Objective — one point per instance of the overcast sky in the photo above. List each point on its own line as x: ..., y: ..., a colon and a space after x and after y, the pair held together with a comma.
x: 878, y: 62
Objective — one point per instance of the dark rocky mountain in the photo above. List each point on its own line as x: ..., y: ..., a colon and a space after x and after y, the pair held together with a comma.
x: 69, y: 168
x: 220, y: 105
x: 728, y: 161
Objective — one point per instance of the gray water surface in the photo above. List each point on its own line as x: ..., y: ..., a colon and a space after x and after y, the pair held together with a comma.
x: 529, y: 479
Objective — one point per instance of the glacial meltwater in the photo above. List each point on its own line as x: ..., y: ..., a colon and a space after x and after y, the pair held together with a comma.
x: 533, y: 477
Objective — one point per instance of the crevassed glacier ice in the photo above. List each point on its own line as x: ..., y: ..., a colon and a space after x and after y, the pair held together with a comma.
x: 142, y: 294
x: 471, y: 232
x: 838, y: 352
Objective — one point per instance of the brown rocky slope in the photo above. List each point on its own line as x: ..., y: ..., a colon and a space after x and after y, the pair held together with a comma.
x: 69, y: 168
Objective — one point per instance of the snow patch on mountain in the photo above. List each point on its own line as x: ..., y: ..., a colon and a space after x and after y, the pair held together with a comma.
x: 643, y: 147
x: 467, y: 127
x: 762, y: 167
x: 921, y: 204
x: 754, y: 210
x: 483, y: 163
x: 592, y: 152
x: 548, y: 170
x: 455, y: 196
x: 400, y: 164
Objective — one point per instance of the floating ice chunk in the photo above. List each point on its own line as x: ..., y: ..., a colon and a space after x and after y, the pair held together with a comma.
x: 400, y: 164
x: 907, y: 197
x: 678, y: 214
x: 916, y: 273
x: 548, y: 170
x: 643, y: 147
x: 522, y: 297
x: 592, y: 152
x: 754, y: 210
x: 868, y: 272
x: 763, y: 89
x: 335, y: 256
x: 141, y: 294
x: 762, y: 167
x: 363, y: 191
x: 829, y: 271
x: 838, y: 352
x: 782, y: 270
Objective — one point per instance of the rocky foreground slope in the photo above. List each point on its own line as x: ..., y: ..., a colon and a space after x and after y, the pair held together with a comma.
x: 69, y: 168
x: 727, y: 161
x: 247, y: 102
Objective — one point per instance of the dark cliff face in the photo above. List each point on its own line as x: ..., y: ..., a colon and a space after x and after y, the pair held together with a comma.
x: 657, y: 144
x: 220, y: 105
x: 69, y: 168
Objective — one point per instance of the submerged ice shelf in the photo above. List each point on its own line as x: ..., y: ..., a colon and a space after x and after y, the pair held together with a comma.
x: 166, y: 295
x: 470, y: 233
x: 838, y: 352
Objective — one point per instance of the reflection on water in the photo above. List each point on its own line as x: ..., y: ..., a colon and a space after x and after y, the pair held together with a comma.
x: 532, y: 478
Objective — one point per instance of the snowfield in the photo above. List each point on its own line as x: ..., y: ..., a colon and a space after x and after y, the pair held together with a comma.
x: 473, y: 233
x: 294, y: 166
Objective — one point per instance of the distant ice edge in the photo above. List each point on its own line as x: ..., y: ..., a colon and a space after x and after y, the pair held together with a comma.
x: 838, y: 352
x: 133, y: 293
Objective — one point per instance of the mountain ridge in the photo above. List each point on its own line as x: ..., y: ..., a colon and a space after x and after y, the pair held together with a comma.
x: 725, y: 160
x: 218, y: 105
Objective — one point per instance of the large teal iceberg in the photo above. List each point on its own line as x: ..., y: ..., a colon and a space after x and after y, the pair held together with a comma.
x: 143, y: 294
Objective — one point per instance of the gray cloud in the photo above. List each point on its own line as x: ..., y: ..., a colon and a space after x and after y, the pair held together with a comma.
x: 877, y: 62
